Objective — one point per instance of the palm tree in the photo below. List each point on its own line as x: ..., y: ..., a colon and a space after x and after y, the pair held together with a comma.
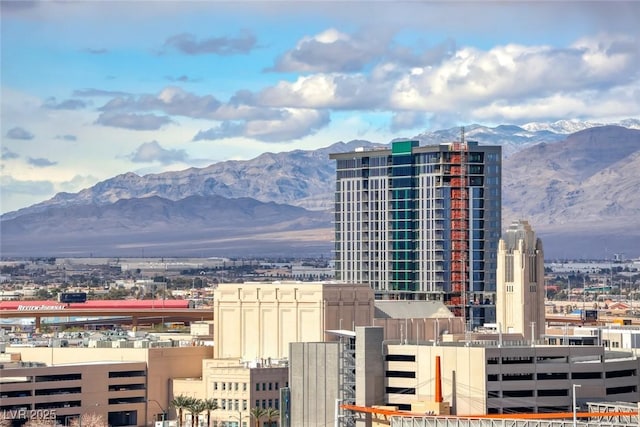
x: 195, y: 408
x: 272, y: 414
x: 257, y: 413
x: 210, y: 405
x: 181, y: 402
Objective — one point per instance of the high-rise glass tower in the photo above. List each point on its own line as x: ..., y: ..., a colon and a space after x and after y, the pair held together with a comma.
x: 421, y: 223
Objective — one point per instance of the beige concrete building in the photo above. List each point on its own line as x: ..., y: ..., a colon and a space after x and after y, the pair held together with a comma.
x: 610, y: 337
x: 485, y: 378
x: 322, y: 373
x: 259, y: 320
x: 91, y: 375
x: 414, y: 321
x: 520, y: 282
x: 237, y: 387
x: 316, y: 383
x: 255, y: 323
x: 115, y: 391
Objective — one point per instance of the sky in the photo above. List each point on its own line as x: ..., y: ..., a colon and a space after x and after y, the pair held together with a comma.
x: 94, y: 89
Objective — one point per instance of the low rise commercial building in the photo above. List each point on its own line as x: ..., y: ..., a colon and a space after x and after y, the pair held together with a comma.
x: 107, y: 381
x: 236, y: 388
x: 477, y: 377
x: 116, y: 391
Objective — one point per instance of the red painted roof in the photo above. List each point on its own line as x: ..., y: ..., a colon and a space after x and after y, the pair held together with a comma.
x: 124, y: 304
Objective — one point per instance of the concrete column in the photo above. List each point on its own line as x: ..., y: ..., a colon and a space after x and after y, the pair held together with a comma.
x: 370, y: 378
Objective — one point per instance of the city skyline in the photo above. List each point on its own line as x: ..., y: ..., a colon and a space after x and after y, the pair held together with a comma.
x: 90, y: 90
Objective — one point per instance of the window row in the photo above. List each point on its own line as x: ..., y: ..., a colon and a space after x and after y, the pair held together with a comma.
x: 267, y: 386
x: 589, y: 375
x: 230, y: 386
x: 268, y: 403
x: 232, y: 404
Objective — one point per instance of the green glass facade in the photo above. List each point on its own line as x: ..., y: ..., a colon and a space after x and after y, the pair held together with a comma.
x: 393, y: 213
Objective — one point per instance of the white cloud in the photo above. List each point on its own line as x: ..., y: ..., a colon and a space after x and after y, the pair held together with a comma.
x: 186, y: 43
x: 514, y: 78
x: 335, y: 91
x: 8, y: 154
x: 154, y: 152
x: 298, y: 124
x: 294, y: 124
x: 40, y: 162
x: 132, y: 121
x: 19, y: 133
x: 610, y: 106
x: 76, y: 183
x: 333, y: 51
x: 17, y: 193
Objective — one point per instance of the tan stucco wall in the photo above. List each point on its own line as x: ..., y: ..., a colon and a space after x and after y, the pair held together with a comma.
x: 520, y: 301
x: 163, y: 364
x: 424, y: 329
x: 463, y: 376
x: 259, y: 320
x: 232, y: 373
x: 95, y: 395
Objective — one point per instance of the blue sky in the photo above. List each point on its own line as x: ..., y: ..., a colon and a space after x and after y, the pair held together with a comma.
x: 93, y: 89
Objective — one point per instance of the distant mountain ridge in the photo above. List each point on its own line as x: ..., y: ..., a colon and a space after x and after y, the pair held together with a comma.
x: 298, y: 178
x: 153, y: 226
x: 590, y: 178
x: 564, y: 185
x: 277, y: 176
x: 573, y: 126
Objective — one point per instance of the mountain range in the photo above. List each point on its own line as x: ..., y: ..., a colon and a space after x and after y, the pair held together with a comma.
x: 578, y: 190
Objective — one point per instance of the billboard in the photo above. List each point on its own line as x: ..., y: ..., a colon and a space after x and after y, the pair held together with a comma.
x: 590, y: 315
x: 69, y: 297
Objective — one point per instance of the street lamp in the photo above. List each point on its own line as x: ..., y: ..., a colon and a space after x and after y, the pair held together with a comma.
x: 575, y: 418
x: 164, y: 413
x: 239, y: 417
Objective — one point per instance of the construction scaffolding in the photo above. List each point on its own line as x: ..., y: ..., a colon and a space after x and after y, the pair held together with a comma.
x: 615, y: 409
x: 459, y: 226
x: 348, y: 379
